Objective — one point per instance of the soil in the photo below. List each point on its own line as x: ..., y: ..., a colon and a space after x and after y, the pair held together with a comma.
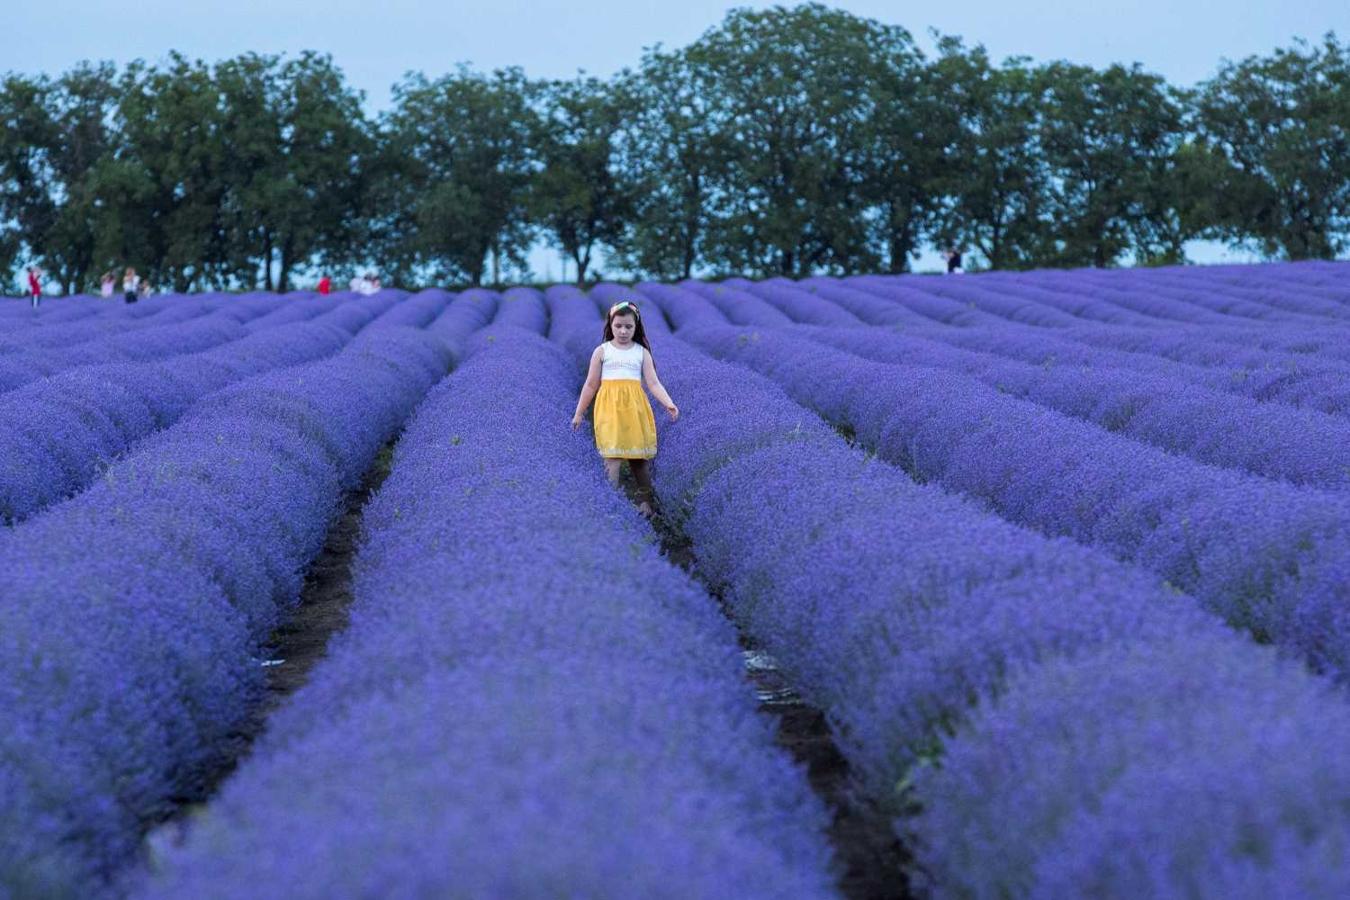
x: 290, y: 654
x: 870, y: 857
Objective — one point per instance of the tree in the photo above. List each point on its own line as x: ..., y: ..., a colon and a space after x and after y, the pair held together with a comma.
x: 1110, y: 139
x: 993, y: 181
x: 27, y: 208
x: 295, y: 139
x: 793, y: 101
x: 903, y: 138
x: 81, y: 106
x: 578, y: 195
x: 456, y: 168
x: 165, y: 192
x: 670, y: 159
x: 1282, y: 126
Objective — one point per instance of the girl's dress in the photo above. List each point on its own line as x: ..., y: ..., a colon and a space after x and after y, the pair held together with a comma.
x: 624, y: 425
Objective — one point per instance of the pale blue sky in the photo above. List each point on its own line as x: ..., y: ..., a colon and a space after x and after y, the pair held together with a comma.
x: 376, y: 42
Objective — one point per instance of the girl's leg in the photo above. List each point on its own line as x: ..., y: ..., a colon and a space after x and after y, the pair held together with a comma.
x: 642, y: 474
x: 612, y: 467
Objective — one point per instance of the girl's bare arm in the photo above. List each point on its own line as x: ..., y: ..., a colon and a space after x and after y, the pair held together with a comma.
x: 590, y: 387
x: 654, y: 385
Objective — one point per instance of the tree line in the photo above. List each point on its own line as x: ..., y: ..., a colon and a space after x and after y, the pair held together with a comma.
x: 788, y: 141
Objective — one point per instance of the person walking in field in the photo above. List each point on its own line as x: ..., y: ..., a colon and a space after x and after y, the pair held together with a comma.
x: 105, y: 287
x: 325, y: 285
x: 625, y: 428
x: 35, y: 285
x: 130, y: 283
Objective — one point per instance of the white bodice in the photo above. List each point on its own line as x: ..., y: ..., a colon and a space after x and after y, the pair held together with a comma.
x: 618, y: 363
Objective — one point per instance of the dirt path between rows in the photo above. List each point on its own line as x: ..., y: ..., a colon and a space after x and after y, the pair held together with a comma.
x: 867, y: 850
x: 290, y: 654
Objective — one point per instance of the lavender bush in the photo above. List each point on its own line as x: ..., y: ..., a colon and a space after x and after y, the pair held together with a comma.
x: 58, y: 433
x: 132, y: 611
x: 523, y: 308
x: 528, y: 702
x: 1300, y: 446
x: 952, y: 616
x: 1192, y: 524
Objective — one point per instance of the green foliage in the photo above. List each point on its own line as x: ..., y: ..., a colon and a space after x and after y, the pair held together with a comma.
x: 670, y: 157
x: 993, y: 175
x: 792, y: 102
x: 578, y: 196
x: 1109, y: 138
x: 785, y: 141
x: 455, y: 163
x: 1281, y: 127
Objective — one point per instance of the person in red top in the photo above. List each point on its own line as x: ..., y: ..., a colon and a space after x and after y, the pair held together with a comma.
x: 35, y: 284
x: 325, y: 285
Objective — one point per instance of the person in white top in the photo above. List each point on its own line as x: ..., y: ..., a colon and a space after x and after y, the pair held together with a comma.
x: 625, y: 428
x: 129, y: 285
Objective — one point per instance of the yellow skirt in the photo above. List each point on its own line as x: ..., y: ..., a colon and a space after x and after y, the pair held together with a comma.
x: 624, y: 425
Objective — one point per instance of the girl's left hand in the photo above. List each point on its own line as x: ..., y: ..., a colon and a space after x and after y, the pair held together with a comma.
x: 674, y: 412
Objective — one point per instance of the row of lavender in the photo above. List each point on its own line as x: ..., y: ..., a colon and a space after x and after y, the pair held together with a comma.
x: 528, y: 701
x: 135, y: 609
x: 977, y: 674
x: 1268, y: 557
x: 1234, y: 410
x: 169, y: 326
x: 56, y: 432
x: 1305, y: 368
x: 1277, y: 440
x: 1049, y: 300
x: 903, y: 303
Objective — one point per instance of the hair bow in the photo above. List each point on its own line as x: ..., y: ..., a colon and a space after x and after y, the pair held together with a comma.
x: 624, y: 303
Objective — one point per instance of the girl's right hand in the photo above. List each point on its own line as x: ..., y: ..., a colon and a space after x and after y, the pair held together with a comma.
x: 576, y: 421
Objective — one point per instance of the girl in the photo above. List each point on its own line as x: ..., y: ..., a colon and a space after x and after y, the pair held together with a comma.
x: 624, y: 425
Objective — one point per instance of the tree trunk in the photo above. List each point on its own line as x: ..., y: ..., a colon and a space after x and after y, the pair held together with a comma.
x: 582, y: 261
x: 284, y: 276
x: 900, y: 239
x: 267, y: 260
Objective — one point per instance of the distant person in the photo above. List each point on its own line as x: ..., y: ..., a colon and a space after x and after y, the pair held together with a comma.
x: 366, y: 284
x: 355, y: 284
x: 129, y: 285
x: 325, y: 285
x: 35, y: 285
x: 106, y: 286
x: 624, y: 425
x: 143, y: 289
x: 953, y: 261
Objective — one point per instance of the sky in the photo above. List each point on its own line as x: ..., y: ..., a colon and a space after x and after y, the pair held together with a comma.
x: 376, y: 43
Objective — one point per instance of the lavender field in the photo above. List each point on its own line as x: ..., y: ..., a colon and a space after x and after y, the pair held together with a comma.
x: 1060, y: 559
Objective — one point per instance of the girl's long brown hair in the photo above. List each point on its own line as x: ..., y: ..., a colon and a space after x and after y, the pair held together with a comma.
x: 627, y: 308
